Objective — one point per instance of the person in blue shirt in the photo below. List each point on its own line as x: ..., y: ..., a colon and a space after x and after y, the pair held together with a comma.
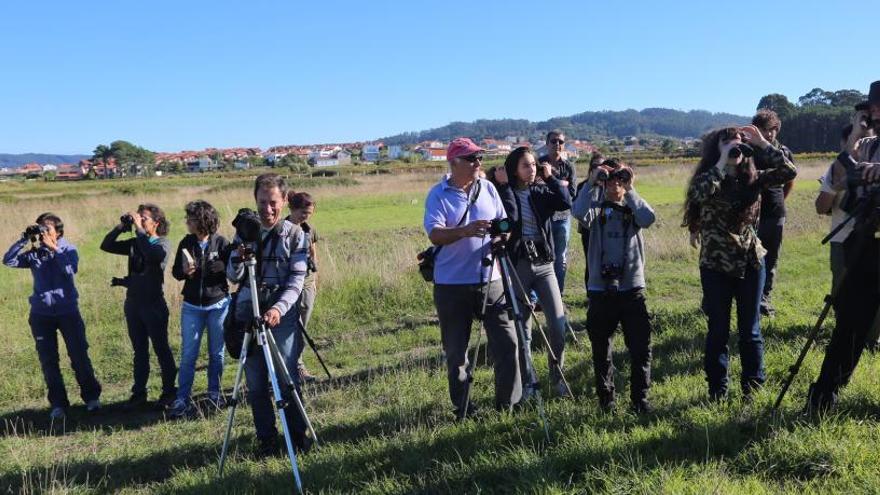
x: 54, y: 307
x: 458, y: 212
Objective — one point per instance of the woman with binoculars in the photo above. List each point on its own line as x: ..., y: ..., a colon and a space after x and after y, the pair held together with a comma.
x: 721, y: 213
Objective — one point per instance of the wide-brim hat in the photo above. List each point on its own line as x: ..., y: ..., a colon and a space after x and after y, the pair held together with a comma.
x: 873, y: 97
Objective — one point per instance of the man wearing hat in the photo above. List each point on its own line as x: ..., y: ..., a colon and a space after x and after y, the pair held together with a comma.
x: 458, y: 212
x: 858, y: 297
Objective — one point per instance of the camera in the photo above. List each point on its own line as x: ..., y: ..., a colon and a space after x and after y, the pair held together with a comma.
x: 127, y: 221
x: 34, y: 231
x: 499, y: 226
x: 247, y: 225
x: 611, y: 273
x: 739, y: 150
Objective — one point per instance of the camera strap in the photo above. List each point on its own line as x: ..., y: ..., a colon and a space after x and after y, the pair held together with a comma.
x: 475, y: 193
x: 627, y: 213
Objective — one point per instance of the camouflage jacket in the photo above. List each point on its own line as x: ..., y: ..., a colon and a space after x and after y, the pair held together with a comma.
x: 729, y: 244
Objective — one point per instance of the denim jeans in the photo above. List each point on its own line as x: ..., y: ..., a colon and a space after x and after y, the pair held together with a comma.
x: 193, y: 322
x: 561, y: 230
x: 73, y: 331
x: 287, y: 336
x: 719, y: 291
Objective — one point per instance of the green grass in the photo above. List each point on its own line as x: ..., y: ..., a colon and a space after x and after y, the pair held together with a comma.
x: 385, y: 420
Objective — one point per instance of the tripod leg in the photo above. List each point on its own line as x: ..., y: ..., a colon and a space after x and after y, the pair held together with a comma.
x: 795, y: 368
x: 279, y: 404
x: 473, y: 363
x: 524, y: 340
x: 311, y: 343
x: 554, y: 361
x: 236, y: 389
x: 289, y: 384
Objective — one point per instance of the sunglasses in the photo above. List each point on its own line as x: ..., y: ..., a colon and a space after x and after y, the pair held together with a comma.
x: 557, y: 141
x: 472, y: 158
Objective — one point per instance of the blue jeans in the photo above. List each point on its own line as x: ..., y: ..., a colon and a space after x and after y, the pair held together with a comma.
x: 719, y: 290
x: 287, y: 336
x: 561, y: 230
x: 193, y: 321
x: 73, y: 331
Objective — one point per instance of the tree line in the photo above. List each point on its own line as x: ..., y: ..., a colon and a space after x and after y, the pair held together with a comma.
x: 813, y: 124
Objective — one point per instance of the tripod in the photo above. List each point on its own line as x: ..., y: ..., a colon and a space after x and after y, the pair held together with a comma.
x: 311, y: 343
x: 282, y: 392
x: 498, y: 253
x: 865, y: 206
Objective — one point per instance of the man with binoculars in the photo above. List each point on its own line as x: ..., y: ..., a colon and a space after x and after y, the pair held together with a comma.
x: 54, y: 306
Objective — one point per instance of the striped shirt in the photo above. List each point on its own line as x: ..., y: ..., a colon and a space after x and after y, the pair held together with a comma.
x: 530, y: 228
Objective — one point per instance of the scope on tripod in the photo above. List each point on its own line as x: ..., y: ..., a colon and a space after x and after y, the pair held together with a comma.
x: 499, y: 226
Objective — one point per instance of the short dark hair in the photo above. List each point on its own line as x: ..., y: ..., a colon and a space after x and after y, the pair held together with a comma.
x: 301, y: 200
x: 158, y: 216
x: 205, y: 215
x: 596, y: 159
x: 269, y: 181
x: 55, y: 219
x: 554, y: 132
x: 766, y: 119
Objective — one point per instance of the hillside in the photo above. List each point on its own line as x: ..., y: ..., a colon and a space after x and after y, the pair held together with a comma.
x: 10, y: 160
x: 585, y: 125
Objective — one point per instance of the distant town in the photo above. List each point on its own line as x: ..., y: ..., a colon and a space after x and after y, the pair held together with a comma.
x: 305, y: 157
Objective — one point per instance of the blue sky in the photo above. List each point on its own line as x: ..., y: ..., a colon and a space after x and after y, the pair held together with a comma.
x: 191, y: 74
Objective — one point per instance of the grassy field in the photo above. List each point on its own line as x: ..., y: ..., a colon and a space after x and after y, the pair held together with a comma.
x: 385, y: 419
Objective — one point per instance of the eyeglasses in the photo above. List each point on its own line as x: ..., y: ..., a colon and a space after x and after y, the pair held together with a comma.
x: 557, y: 141
x: 472, y: 158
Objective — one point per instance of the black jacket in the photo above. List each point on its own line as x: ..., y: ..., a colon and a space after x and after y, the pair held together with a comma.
x: 208, y: 284
x: 146, y: 263
x: 546, y: 198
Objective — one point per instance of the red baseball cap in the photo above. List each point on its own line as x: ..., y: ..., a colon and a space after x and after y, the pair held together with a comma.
x: 461, y: 147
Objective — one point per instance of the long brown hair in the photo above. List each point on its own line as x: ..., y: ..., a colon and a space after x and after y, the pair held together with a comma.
x: 740, y: 190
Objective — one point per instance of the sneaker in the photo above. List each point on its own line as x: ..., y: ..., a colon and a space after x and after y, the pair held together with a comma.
x: 562, y: 390
x: 766, y: 308
x: 305, y: 376
x: 179, y: 409
x: 218, y: 401
x: 136, y: 401
x: 57, y: 414
x: 93, y: 405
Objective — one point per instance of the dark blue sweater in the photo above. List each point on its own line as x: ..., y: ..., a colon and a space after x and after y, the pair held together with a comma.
x: 54, y: 290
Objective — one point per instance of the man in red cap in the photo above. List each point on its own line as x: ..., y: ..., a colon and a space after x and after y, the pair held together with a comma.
x: 458, y: 212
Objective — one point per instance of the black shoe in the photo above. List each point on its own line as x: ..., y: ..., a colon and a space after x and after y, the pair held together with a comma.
x: 642, y: 407
x: 135, y: 402
x: 472, y: 411
x: 717, y: 396
x: 302, y: 443
x: 166, y: 400
x: 767, y: 309
x: 607, y: 404
x: 873, y: 347
x: 268, y: 447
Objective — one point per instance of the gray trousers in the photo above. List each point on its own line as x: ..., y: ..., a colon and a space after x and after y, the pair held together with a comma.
x: 542, y: 279
x: 457, y: 305
x: 306, y: 306
x: 838, y: 263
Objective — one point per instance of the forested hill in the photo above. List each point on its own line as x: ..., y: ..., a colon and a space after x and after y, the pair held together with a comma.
x: 586, y: 125
x: 10, y: 160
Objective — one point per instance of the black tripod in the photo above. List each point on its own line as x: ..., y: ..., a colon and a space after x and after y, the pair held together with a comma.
x: 314, y: 347
x: 866, y: 208
x: 498, y: 253
x: 282, y: 392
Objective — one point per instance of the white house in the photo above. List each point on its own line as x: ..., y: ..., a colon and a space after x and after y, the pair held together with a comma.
x: 203, y: 164
x: 395, y: 152
x: 370, y: 153
x: 341, y: 157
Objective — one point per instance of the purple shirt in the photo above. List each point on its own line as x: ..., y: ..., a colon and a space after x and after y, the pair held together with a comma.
x: 461, y: 262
